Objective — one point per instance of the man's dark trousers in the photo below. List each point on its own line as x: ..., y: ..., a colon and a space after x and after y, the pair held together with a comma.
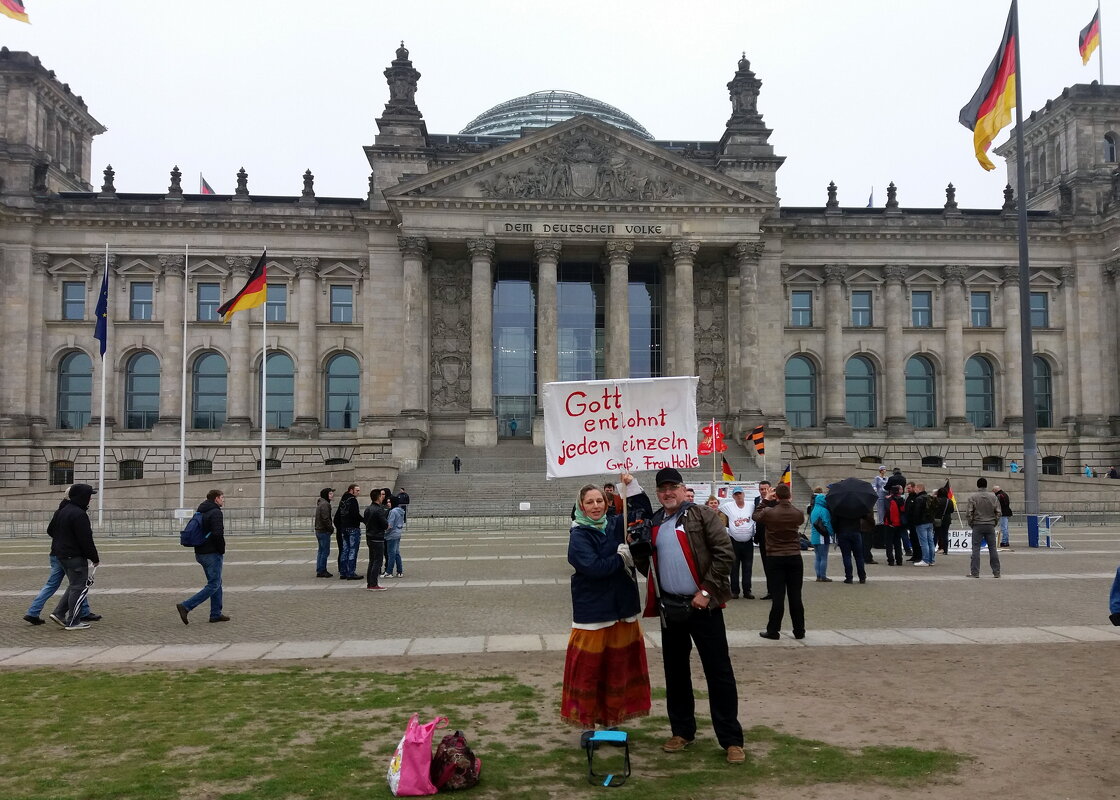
x: 704, y: 627
x: 744, y: 564
x: 786, y: 576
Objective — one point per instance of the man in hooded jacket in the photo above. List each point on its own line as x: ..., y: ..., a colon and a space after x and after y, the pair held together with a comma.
x: 210, y: 555
x: 72, y: 544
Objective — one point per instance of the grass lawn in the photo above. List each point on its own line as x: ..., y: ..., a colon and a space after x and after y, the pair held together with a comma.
x: 322, y: 732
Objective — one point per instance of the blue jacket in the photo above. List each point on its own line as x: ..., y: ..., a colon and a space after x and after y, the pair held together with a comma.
x: 396, y: 524
x: 602, y: 591
x: 820, y: 512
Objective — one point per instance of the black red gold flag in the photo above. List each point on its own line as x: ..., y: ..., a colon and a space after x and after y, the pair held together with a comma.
x: 1090, y: 37
x: 15, y: 10
x: 252, y: 294
x: 989, y: 110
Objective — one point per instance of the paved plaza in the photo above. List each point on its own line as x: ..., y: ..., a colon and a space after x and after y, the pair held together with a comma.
x: 475, y: 593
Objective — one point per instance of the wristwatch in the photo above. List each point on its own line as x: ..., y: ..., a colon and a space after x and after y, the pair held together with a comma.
x: 704, y: 593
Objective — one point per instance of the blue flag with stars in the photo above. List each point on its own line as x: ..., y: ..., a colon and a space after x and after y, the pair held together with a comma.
x: 101, y: 329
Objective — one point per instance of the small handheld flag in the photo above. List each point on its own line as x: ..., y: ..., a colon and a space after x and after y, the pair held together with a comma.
x: 728, y: 475
x: 949, y: 491
x: 758, y: 438
x: 712, y: 441
x: 787, y: 475
x: 1090, y: 37
x: 252, y: 294
x: 101, y: 327
x: 989, y: 110
x: 15, y: 10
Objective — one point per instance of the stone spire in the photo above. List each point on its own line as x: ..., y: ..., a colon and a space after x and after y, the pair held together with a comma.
x: 745, y: 152
x: 401, y: 123
x: 744, y: 98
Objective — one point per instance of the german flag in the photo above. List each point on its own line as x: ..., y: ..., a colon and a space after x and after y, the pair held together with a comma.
x: 728, y: 475
x: 203, y: 186
x: 949, y: 492
x: 758, y: 438
x: 787, y: 475
x: 989, y: 110
x: 1090, y: 38
x: 15, y: 10
x: 252, y: 294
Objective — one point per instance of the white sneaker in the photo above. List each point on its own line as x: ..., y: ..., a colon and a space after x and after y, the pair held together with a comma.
x: 78, y: 626
x: 920, y: 564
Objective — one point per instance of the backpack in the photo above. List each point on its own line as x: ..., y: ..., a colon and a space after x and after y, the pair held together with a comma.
x: 455, y: 766
x: 193, y: 535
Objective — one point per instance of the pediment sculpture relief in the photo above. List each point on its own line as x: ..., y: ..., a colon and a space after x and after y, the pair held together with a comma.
x: 580, y: 169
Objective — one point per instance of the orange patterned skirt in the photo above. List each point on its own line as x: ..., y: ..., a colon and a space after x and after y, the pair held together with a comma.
x: 606, y: 679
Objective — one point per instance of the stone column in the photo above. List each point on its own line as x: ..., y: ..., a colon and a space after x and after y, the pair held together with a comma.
x: 1109, y: 299
x: 172, y: 291
x: 548, y: 256
x: 305, y: 424
x: 414, y: 257
x: 683, y: 313
x: 1082, y: 338
x: 482, y: 428
x: 39, y: 398
x: 747, y: 258
x: 239, y: 389
x: 668, y: 349
x: 894, y: 358
x: 836, y: 310
x: 956, y: 308
x: 1012, y: 354
x: 15, y: 287
x: 618, y: 308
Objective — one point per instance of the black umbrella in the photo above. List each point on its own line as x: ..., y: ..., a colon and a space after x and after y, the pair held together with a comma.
x: 850, y: 498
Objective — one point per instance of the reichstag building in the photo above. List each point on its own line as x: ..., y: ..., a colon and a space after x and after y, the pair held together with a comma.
x: 553, y: 238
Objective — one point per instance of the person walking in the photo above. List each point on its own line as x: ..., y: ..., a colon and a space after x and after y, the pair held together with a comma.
x: 393, y: 534
x: 456, y: 463
x: 822, y: 535
x: 1004, y: 516
x: 606, y: 677
x: 741, y: 529
x: 983, y: 511
x: 688, y: 561
x: 850, y: 541
x: 376, y: 519
x: 324, y: 530
x: 783, y: 546
x: 210, y: 555
x: 72, y: 544
x: 54, y: 580
x: 349, y: 519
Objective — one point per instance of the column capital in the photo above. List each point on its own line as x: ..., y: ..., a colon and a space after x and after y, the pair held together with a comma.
x: 747, y: 253
x: 40, y: 261
x: 1068, y: 273
x: 955, y: 274
x: 547, y: 248
x: 481, y: 248
x: 835, y: 273
x: 97, y: 259
x: 1111, y: 269
x: 684, y: 250
x: 1011, y: 275
x: 172, y: 264
x: 240, y: 265
x: 413, y: 246
x: 895, y: 273
x: 306, y: 266
x: 619, y: 250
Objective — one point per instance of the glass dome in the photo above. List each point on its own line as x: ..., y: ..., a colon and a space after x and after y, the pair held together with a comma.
x: 541, y: 109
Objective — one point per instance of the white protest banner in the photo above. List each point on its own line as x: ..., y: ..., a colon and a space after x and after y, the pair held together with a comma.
x: 625, y: 425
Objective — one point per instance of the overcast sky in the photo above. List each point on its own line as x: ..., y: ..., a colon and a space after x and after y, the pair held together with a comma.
x: 862, y: 92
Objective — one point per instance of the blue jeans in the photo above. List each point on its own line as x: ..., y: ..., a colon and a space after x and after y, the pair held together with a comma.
x: 50, y: 587
x: 1004, y: 535
x: 851, y: 543
x: 1114, y: 595
x: 925, y: 536
x: 212, y: 566
x: 821, y: 559
x: 393, y: 556
x: 348, y: 558
x: 324, y: 551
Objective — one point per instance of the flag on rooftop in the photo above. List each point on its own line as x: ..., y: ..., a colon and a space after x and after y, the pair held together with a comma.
x: 203, y: 186
x: 101, y: 327
x: 15, y: 10
x: 1090, y: 37
x: 252, y: 294
x: 758, y: 438
x: 989, y: 110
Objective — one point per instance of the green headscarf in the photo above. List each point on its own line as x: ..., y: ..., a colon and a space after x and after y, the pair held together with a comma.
x: 583, y: 519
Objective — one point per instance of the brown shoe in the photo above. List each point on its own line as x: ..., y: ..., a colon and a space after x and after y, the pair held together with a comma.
x: 676, y: 744
x: 735, y: 755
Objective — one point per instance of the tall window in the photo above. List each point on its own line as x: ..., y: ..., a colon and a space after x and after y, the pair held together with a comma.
x: 1052, y: 465
x: 73, y: 300
x: 861, y: 309
x: 130, y: 470
x: 141, y: 392
x: 979, y: 392
x: 280, y: 403
x: 859, y: 389
x: 981, y: 306
x: 342, y: 304
x: 801, y: 393
x: 61, y: 473
x: 580, y: 322
x: 1040, y: 310
x: 801, y: 309
x: 921, y: 309
x: 276, y: 308
x: 1110, y: 148
x: 75, y: 390
x: 342, y: 393
x: 208, y: 386
x: 1043, y: 393
x: 921, y: 397
x: 140, y: 300
x: 645, y: 321
x: 209, y: 298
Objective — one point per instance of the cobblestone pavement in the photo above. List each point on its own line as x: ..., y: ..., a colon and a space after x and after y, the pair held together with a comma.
x: 504, y: 592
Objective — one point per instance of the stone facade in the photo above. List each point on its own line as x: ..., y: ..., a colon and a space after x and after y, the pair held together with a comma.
x: 384, y: 305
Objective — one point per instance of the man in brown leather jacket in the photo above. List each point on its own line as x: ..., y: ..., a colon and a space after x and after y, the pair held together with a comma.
x: 691, y: 559
x: 783, y: 544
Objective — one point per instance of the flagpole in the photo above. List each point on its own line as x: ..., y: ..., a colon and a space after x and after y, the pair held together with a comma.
x: 1030, y: 418
x: 1100, y: 41
x: 264, y: 392
x: 101, y: 442
x: 715, y: 448
x: 183, y: 380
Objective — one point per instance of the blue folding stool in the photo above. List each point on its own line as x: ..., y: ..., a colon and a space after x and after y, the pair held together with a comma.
x: 613, y: 739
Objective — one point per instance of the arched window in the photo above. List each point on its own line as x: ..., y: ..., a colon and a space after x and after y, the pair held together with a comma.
x: 280, y: 403
x: 62, y: 473
x: 1043, y: 393
x: 200, y: 466
x: 801, y: 393
x: 979, y: 392
x: 208, y: 384
x: 341, y: 401
x: 859, y: 391
x: 1110, y: 148
x: 75, y: 387
x: 992, y: 464
x: 921, y: 394
x: 1052, y: 465
x: 130, y: 470
x: 141, y: 392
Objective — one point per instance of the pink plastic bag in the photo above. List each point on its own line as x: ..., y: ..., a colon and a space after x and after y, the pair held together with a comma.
x: 409, y: 770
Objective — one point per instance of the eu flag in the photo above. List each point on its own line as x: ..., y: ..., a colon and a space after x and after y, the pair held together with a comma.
x: 101, y: 329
